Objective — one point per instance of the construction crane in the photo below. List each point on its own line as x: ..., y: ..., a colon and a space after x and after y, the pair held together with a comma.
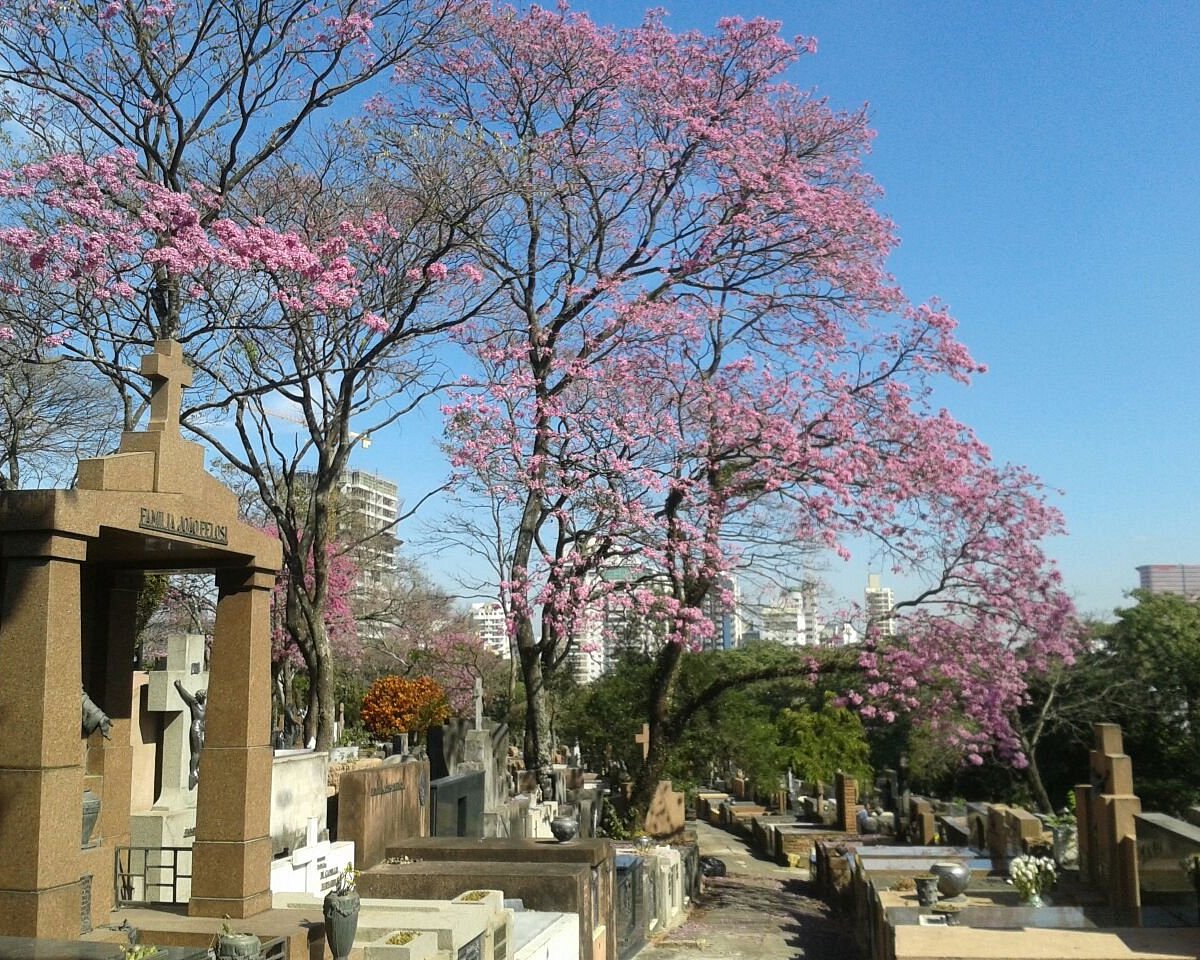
x: 363, y: 438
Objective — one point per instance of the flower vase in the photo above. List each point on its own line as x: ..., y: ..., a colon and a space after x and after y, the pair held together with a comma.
x: 341, y: 922
x: 927, y: 890
x: 1033, y: 899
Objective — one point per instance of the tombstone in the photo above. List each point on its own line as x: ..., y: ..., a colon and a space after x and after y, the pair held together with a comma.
x: 71, y: 565
x: 846, y: 793
x: 299, y: 796
x: 643, y: 739
x: 456, y: 805
x: 171, y: 819
x: 665, y: 816
x: 631, y: 921
x: 888, y: 786
x: 313, y: 866
x: 1106, y: 810
x: 380, y: 806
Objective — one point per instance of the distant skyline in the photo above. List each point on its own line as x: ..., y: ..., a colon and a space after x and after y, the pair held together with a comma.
x: 1039, y: 160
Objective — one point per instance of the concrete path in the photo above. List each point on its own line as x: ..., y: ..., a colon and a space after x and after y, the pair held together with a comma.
x: 758, y: 911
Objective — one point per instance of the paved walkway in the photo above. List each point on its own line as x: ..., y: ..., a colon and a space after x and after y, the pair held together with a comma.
x: 758, y: 911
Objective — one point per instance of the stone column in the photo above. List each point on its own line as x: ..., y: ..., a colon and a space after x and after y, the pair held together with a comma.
x: 41, y: 774
x: 110, y: 762
x: 231, y: 858
x: 846, y: 793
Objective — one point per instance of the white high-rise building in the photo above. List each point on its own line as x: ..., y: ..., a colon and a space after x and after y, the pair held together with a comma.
x: 368, y: 508
x: 366, y: 512
x: 794, y: 622
x: 880, y: 602
x: 491, y: 626
x: 608, y: 626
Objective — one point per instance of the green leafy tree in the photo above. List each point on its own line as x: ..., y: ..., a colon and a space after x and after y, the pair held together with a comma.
x: 820, y: 743
x: 1156, y: 645
x: 734, y: 733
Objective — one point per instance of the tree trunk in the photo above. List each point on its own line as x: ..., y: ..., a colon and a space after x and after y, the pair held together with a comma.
x: 662, y: 732
x: 321, y: 687
x: 1034, y: 777
x: 537, y: 713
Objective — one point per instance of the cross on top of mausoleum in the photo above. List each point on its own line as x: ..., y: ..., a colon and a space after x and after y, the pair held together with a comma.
x: 168, y: 376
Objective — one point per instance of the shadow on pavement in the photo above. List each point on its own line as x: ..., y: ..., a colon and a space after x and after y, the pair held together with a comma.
x: 762, y: 917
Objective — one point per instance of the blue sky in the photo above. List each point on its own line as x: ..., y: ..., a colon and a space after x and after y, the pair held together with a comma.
x: 1040, y: 160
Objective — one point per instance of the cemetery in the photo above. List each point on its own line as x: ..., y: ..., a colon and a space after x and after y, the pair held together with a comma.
x: 199, y: 834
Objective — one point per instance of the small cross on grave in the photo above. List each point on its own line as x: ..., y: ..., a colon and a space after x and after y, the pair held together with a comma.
x: 644, y: 739
x: 168, y: 376
x: 185, y: 663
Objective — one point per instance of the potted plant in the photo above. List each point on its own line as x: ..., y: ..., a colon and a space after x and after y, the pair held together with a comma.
x: 232, y: 945
x: 340, y: 910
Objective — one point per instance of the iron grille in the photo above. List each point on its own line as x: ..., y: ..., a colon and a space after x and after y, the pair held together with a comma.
x: 144, y: 875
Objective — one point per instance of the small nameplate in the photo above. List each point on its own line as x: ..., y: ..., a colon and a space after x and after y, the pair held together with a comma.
x: 389, y: 788
x: 163, y: 521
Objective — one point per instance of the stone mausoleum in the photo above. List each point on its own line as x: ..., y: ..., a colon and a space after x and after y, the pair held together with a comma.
x: 71, y: 566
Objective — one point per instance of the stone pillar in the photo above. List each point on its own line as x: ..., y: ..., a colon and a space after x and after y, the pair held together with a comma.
x: 846, y: 795
x: 231, y: 858
x: 1111, y: 827
x: 110, y: 762
x: 41, y: 772
x: 1086, y: 831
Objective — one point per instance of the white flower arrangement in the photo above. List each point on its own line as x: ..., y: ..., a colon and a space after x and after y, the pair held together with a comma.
x: 1032, y: 875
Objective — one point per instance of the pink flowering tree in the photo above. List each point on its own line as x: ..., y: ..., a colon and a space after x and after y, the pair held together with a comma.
x: 295, y: 331
x: 189, y: 180
x: 699, y: 361
x: 289, y: 648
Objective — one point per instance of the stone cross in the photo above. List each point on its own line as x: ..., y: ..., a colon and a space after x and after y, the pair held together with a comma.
x: 479, y: 703
x: 185, y: 663
x: 168, y: 376
x: 644, y: 739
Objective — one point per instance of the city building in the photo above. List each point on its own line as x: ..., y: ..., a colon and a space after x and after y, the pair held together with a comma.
x: 609, y: 626
x: 839, y: 634
x: 1180, y: 578
x: 880, y: 602
x: 794, y: 622
x: 491, y: 626
x: 366, y: 519
x: 722, y: 607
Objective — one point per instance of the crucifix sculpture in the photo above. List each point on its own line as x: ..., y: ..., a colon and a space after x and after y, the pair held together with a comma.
x: 168, y: 376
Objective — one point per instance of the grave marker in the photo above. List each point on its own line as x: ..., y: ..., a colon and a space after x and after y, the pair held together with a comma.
x: 644, y: 739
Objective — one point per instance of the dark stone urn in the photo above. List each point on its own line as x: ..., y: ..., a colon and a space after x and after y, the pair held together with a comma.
x: 341, y: 922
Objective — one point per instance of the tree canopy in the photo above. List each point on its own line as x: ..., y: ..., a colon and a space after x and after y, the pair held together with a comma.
x: 662, y: 261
